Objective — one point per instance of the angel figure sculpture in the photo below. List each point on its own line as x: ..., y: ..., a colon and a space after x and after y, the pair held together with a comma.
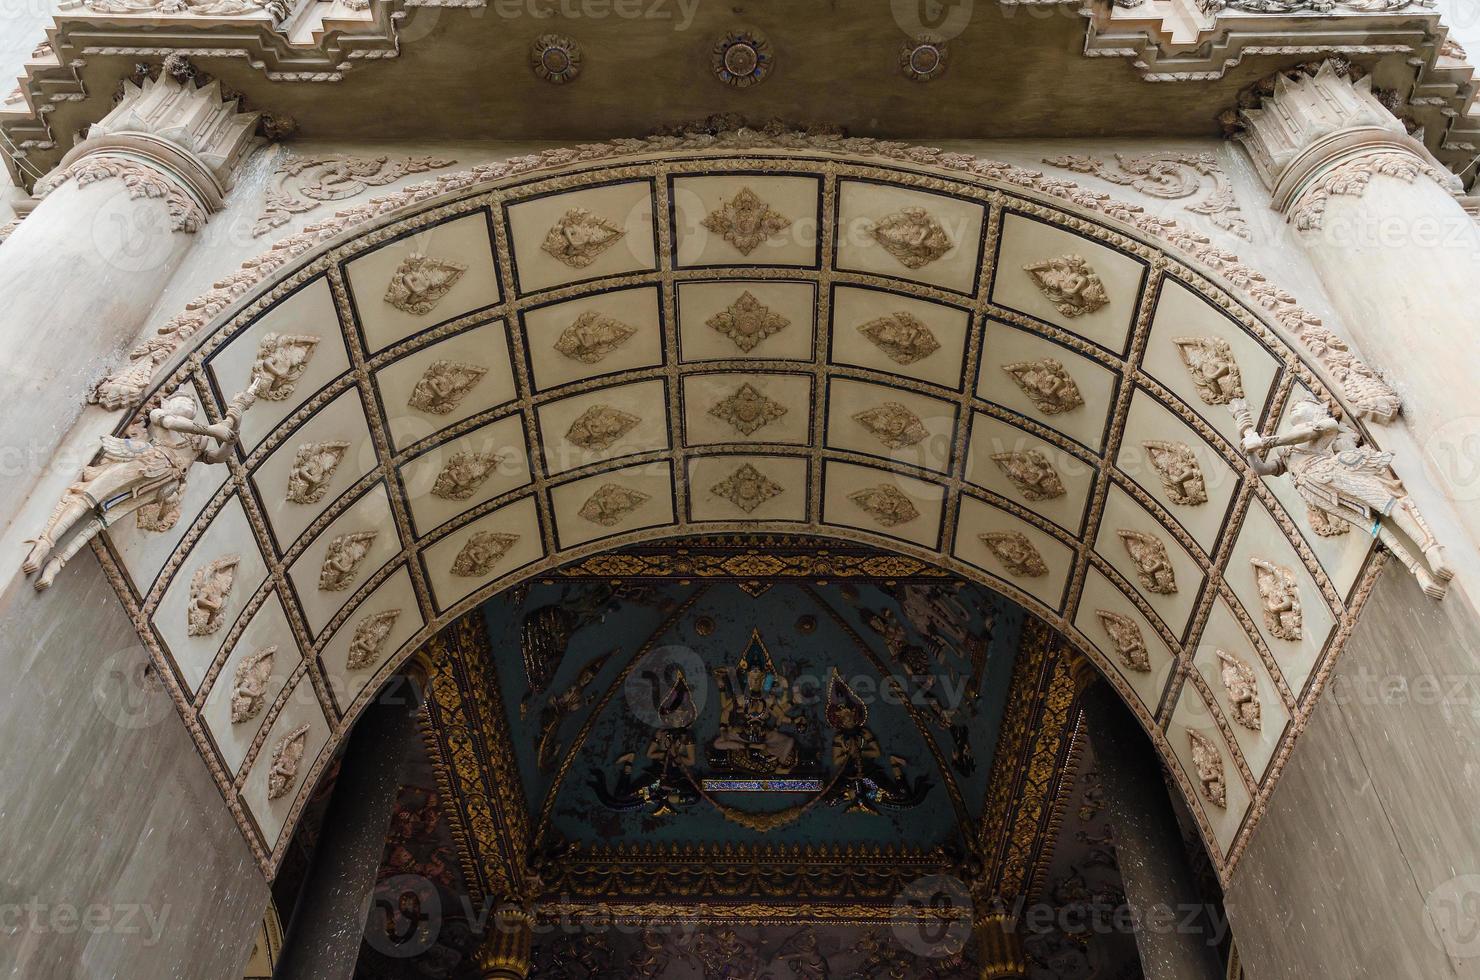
x: 1342, y: 480
x: 134, y: 473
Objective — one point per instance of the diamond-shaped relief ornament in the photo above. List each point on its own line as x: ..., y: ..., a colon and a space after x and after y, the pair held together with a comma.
x: 599, y: 426
x: 885, y: 504
x: 593, y: 336
x: 444, y: 385
x: 611, y: 503
x: 579, y: 237
x: 892, y: 424
x: 481, y: 553
x: 420, y: 282
x: 747, y: 488
x: 745, y: 221
x: 903, y: 336
x: 748, y: 410
x: 913, y: 237
x: 748, y: 321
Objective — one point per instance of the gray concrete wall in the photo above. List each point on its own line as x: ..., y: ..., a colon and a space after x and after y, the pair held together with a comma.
x: 118, y: 857
x: 1368, y: 863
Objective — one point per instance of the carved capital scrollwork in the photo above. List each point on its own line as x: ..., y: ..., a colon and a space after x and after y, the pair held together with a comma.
x: 141, y: 180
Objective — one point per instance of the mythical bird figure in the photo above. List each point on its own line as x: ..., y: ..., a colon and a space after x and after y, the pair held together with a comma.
x: 1340, y: 478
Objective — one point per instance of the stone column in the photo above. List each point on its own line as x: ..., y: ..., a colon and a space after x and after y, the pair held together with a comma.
x: 83, y: 271
x: 508, y: 946
x: 1397, y: 252
x: 1148, y: 841
x: 999, y: 948
x: 333, y: 916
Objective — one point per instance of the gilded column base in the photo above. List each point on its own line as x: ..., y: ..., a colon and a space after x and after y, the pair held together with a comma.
x: 999, y: 948
x: 509, y: 946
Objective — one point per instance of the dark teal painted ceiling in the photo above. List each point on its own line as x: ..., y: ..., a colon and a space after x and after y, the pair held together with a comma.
x: 590, y: 677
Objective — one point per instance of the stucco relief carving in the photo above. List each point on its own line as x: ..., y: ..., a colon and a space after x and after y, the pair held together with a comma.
x: 913, y: 237
x: 210, y: 587
x: 342, y: 560
x: 1207, y: 761
x: 893, y: 425
x: 1366, y: 392
x: 1070, y: 284
x: 249, y: 684
x: 444, y: 385
x: 741, y: 59
x: 1350, y: 179
x: 145, y: 476
x: 555, y: 58
x: 592, y: 336
x: 885, y: 504
x: 1016, y: 553
x: 140, y: 181
x: 902, y: 336
x: 281, y: 361
x: 599, y: 426
x: 313, y: 467
x: 746, y: 488
x: 1181, y: 474
x: 1153, y: 565
x: 420, y: 282
x: 1313, y: 6
x: 745, y: 221
x: 302, y: 183
x: 1125, y: 637
x: 1279, y: 599
x: 1345, y: 482
x: 367, y: 643
x: 1046, y: 384
x: 278, y: 9
x: 465, y: 472
x: 1032, y: 473
x: 286, y: 759
x: 748, y: 410
x: 481, y: 553
x: 1170, y: 175
x: 747, y: 322
x: 1211, y: 365
x: 611, y: 503
x: 1242, y: 687
x: 579, y: 237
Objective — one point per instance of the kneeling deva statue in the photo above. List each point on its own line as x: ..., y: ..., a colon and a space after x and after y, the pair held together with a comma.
x: 131, y: 474
x: 1344, y: 482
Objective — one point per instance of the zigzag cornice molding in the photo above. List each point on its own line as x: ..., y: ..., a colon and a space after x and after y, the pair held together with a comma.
x: 158, y: 364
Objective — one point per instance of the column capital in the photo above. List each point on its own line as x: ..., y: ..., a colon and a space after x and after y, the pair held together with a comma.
x: 168, y: 139
x: 1314, y: 124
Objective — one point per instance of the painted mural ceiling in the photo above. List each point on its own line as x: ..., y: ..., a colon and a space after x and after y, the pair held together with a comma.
x: 715, y: 747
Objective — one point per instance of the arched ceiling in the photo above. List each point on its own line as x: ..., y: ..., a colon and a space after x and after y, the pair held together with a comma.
x: 501, y: 378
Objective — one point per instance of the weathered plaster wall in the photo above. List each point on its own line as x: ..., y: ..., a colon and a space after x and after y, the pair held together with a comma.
x: 1368, y: 863
x: 118, y: 858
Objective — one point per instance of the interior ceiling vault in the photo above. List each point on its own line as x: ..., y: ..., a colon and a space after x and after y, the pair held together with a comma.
x: 963, y: 374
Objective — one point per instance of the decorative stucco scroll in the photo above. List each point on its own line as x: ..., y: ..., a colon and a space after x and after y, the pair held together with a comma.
x: 141, y: 181
x: 1172, y: 176
x: 1365, y: 391
x: 1350, y: 179
x: 302, y: 183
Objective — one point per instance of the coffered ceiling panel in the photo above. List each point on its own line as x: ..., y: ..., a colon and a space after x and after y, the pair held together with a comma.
x: 441, y: 273
x: 444, y: 413
x: 1061, y: 278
